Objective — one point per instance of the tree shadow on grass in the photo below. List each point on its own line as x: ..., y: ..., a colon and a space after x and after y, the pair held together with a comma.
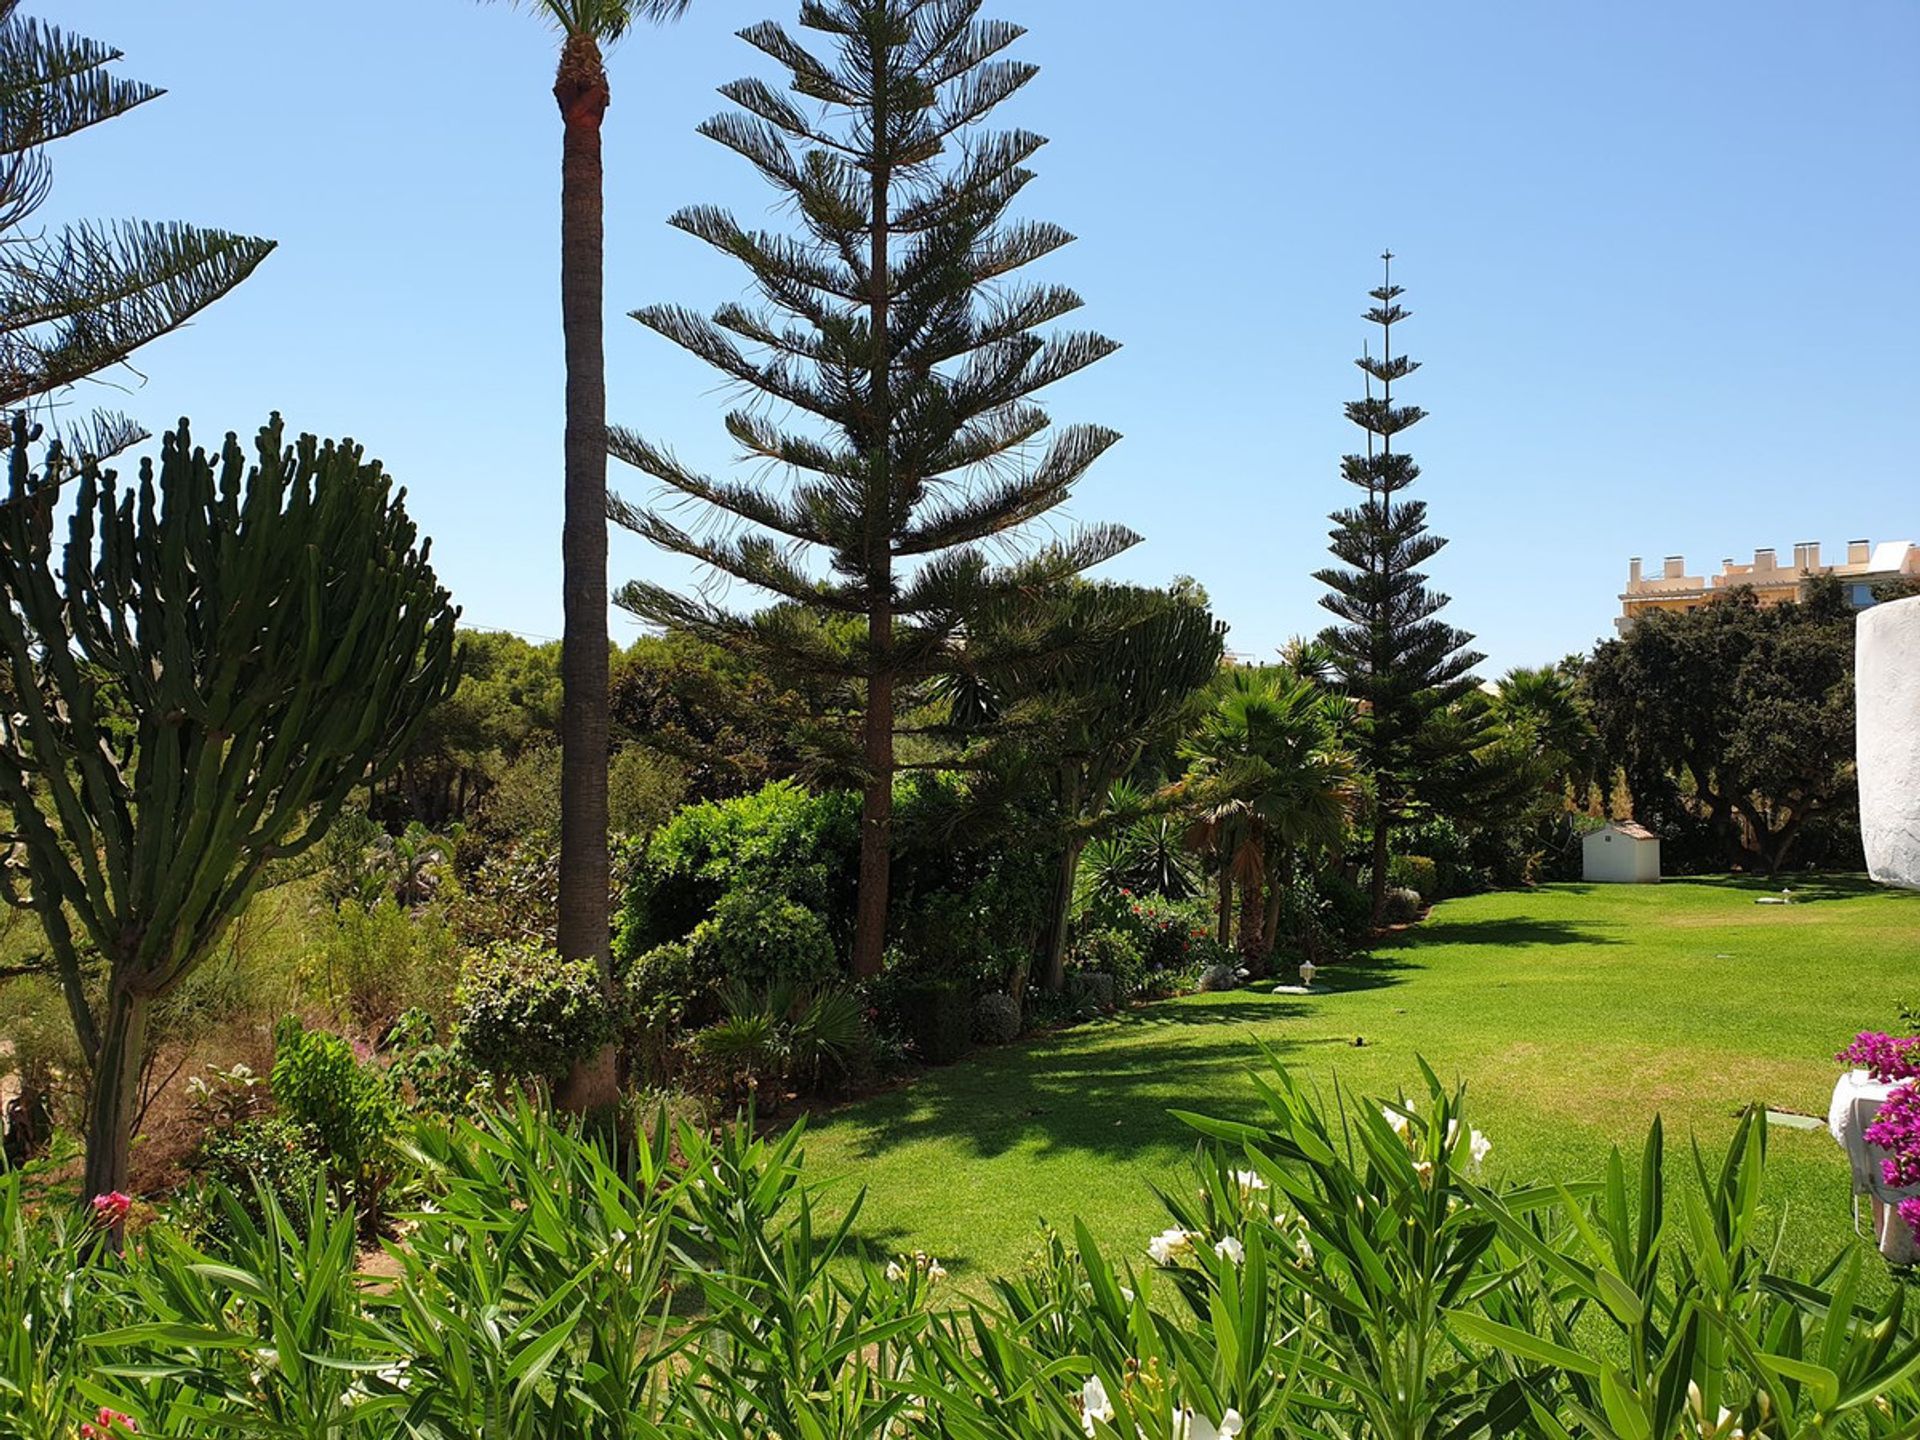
x: 1513, y: 932
x: 1103, y: 1090
x: 1806, y: 889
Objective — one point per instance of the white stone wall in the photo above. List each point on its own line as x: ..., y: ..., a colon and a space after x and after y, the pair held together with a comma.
x: 1887, y: 691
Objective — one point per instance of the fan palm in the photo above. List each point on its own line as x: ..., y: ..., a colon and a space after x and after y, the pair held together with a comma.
x: 580, y: 86
x: 1544, y: 707
x: 1271, y: 777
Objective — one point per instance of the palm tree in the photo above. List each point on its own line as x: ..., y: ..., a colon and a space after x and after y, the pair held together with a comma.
x: 1272, y: 778
x: 580, y: 86
x: 1545, y: 708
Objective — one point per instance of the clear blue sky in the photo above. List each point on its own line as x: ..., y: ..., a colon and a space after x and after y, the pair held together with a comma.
x: 1659, y: 257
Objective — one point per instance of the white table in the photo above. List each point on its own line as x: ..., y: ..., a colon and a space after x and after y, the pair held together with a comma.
x: 1857, y: 1098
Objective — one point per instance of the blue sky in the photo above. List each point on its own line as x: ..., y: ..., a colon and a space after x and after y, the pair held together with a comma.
x: 1658, y: 257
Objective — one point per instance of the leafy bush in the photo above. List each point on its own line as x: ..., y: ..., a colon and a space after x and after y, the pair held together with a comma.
x: 778, y: 841
x: 996, y: 1019
x: 1166, y: 930
x: 1416, y: 873
x: 382, y: 959
x: 1349, y: 909
x: 663, y: 994
x: 349, y: 1107
x: 522, y: 1011
x: 1109, y: 951
x: 1402, y: 906
x: 436, y: 1074
x: 759, y: 939
x: 643, y: 787
x: 273, y: 1154
x: 1451, y: 849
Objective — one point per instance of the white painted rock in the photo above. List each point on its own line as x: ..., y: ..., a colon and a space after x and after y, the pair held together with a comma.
x: 1886, y: 672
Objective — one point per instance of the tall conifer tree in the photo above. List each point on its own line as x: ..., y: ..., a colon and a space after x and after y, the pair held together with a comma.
x: 79, y: 299
x: 1391, y: 651
x: 890, y: 323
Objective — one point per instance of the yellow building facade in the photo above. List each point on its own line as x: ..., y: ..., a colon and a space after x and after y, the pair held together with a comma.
x: 1867, y: 564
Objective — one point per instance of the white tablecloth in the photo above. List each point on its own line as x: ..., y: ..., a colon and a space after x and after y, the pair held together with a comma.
x: 1857, y: 1098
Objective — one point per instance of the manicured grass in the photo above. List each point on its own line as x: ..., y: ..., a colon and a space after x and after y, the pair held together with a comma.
x: 1574, y: 1013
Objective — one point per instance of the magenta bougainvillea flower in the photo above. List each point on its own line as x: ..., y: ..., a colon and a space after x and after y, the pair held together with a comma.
x: 1885, y: 1057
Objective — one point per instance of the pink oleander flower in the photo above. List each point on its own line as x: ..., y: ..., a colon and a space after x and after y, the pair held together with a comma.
x: 103, y: 1425
x: 1883, y: 1056
x: 112, y: 1209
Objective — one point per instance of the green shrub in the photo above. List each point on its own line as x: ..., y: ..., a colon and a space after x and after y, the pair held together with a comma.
x: 1416, y: 873
x: 1109, y: 951
x: 436, y: 1073
x: 1403, y: 906
x: 350, y: 1107
x: 663, y: 994
x: 759, y: 939
x: 273, y: 1153
x: 1166, y: 931
x: 1349, y: 909
x: 382, y: 959
x: 780, y: 841
x: 522, y: 1011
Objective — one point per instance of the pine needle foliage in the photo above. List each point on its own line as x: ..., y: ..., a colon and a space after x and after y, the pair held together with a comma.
x: 78, y: 300
x: 890, y: 358
x: 1391, y: 650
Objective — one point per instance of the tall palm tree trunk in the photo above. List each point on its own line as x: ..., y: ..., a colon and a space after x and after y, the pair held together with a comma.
x: 582, y: 92
x: 1224, y: 927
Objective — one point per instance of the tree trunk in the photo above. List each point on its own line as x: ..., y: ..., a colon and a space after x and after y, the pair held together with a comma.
x: 1059, y: 922
x: 1378, y: 889
x: 876, y: 805
x: 876, y: 822
x: 114, y: 1091
x: 1252, y: 906
x: 1059, y: 918
x: 1280, y: 867
x: 1224, y: 926
x: 585, y: 868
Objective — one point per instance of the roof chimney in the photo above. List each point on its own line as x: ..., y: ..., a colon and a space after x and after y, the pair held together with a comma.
x: 1675, y: 568
x: 1633, y: 571
x: 1813, y: 555
x: 1859, y: 551
x: 1763, y: 559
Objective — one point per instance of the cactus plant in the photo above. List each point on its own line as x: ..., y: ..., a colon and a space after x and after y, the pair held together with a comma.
x: 215, y: 659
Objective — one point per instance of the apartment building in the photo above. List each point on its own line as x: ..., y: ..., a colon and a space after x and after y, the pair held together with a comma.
x: 1867, y: 565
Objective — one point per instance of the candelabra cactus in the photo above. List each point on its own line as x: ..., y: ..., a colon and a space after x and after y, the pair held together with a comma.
x: 217, y: 656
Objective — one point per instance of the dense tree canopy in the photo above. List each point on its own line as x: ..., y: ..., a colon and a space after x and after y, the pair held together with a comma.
x: 1737, y: 712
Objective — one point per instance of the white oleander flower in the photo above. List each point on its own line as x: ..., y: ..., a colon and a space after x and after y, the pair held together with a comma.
x: 1094, y: 1404
x: 1251, y: 1183
x: 1424, y: 1169
x: 935, y: 1270
x: 1480, y: 1145
x: 1170, y: 1246
x: 1398, y: 1123
x: 1230, y: 1248
x: 1188, y: 1425
x: 894, y: 1273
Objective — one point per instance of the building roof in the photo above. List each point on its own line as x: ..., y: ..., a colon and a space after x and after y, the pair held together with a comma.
x: 1633, y: 829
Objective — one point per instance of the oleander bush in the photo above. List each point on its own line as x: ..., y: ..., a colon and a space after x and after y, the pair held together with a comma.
x: 1355, y: 1272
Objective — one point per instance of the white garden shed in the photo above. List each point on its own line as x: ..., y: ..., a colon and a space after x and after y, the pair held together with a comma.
x: 1622, y: 853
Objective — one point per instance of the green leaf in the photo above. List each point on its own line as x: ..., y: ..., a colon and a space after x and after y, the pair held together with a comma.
x: 1519, y: 1342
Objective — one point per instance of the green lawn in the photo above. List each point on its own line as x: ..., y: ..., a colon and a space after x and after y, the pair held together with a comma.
x: 1574, y: 1013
